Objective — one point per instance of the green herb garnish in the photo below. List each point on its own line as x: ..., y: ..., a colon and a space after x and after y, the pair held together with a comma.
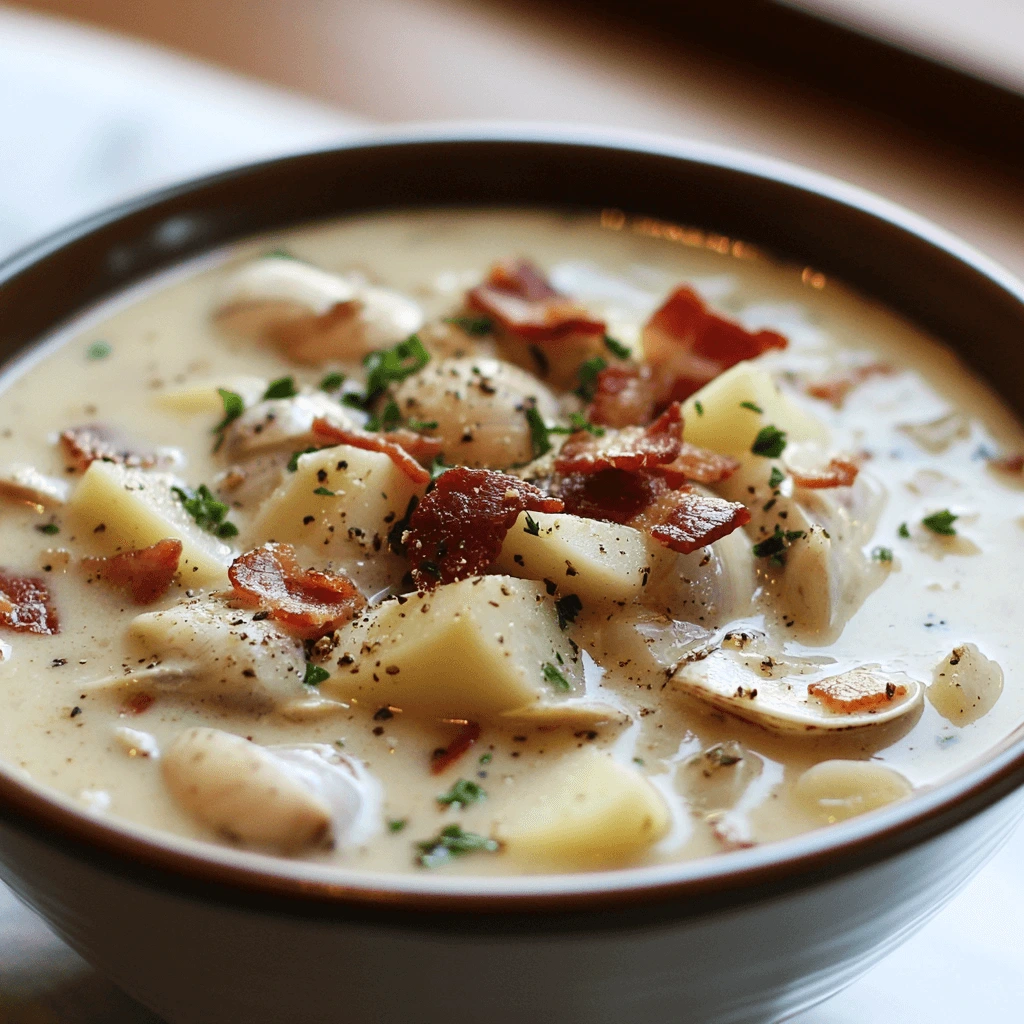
x: 397, y: 824
x: 578, y: 422
x: 532, y: 527
x: 324, y: 492
x: 616, y: 348
x: 475, y: 325
x: 280, y: 254
x: 699, y: 407
x: 315, y: 675
x: 462, y: 793
x: 437, y: 467
x: 233, y: 408
x: 98, y: 350
x: 208, y: 513
x: 773, y: 545
x: 568, y: 608
x: 751, y: 406
x: 903, y: 531
x: 49, y: 528
x: 776, y: 478
x: 393, y: 365
x: 421, y: 426
x: 390, y: 418
x: 486, y: 758
x: 941, y: 523
x: 452, y: 841
x: 881, y: 554
x: 331, y: 381
x: 539, y: 440
x: 283, y: 387
x: 588, y: 373
x: 770, y: 442
x: 555, y: 678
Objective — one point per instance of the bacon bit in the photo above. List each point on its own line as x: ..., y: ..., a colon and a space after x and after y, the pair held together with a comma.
x: 519, y: 297
x: 467, y: 735
x: 309, y: 602
x: 685, y: 521
x: 688, y: 345
x: 84, y: 445
x: 403, y: 447
x: 137, y: 704
x: 624, y: 397
x: 146, y: 574
x: 857, y: 690
x: 612, y: 495
x: 835, y: 389
x: 25, y: 605
x: 1008, y: 463
x: 838, y: 473
x: 458, y: 528
x: 630, y: 449
x: 699, y: 465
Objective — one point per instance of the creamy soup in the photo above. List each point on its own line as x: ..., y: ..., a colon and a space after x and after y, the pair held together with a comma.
x: 501, y: 542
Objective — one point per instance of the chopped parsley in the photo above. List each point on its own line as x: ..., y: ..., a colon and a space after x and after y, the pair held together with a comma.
x: 903, y: 531
x: 699, y: 407
x: 577, y: 423
x: 49, y: 528
x: 616, y: 348
x: 280, y: 254
x: 555, y: 678
x: 324, y: 492
x: 397, y: 824
x: 776, y: 477
x: 208, y: 513
x: 770, y: 442
x: 587, y: 373
x: 451, y: 842
x: 390, y: 418
x: 421, y: 426
x: 293, y: 462
x: 234, y: 406
x: 881, y: 554
x: 568, y: 608
x: 751, y: 406
x: 478, y: 326
x: 98, y: 350
x: 315, y: 675
x: 539, y: 440
x: 331, y: 381
x: 486, y: 758
x: 532, y: 527
x: 774, y: 547
x: 393, y: 365
x: 941, y: 523
x: 462, y: 793
x: 437, y: 467
x: 283, y: 387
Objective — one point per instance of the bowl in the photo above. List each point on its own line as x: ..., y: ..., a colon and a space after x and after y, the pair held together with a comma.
x: 200, y: 933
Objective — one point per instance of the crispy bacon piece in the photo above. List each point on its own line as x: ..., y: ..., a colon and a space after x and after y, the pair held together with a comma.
x: 403, y: 447
x: 612, y: 495
x: 857, y: 690
x: 834, y: 389
x: 25, y: 605
x: 146, y: 574
x: 630, y: 449
x: 468, y: 734
x: 308, y: 602
x: 688, y: 345
x: 625, y: 397
x: 838, y: 473
x: 84, y: 445
x: 685, y: 521
x: 1009, y: 463
x: 458, y: 528
x: 699, y: 465
x: 521, y: 300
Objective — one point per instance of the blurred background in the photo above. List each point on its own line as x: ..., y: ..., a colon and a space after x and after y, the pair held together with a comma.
x: 919, y: 100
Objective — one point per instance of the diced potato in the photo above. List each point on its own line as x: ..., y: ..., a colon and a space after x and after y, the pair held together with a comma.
x: 368, y: 495
x: 596, y: 561
x: 474, y: 649
x: 835, y: 790
x: 586, y: 811
x: 966, y: 685
x: 725, y: 425
x: 193, y: 399
x: 124, y: 508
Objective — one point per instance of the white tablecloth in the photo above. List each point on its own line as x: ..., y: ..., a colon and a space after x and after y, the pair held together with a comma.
x: 86, y: 120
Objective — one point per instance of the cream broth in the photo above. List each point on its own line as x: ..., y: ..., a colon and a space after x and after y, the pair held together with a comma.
x: 683, y: 770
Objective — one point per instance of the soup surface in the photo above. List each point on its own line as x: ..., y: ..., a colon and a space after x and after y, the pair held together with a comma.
x: 502, y: 542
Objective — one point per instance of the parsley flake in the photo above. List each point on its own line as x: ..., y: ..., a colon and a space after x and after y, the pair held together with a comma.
x: 578, y: 422
x: 881, y: 554
x: 392, y: 365
x: 234, y: 406
x: 421, y: 426
x: 462, y: 793
x: 390, y: 418
x: 587, y: 374
x: 315, y: 675
x: 751, y: 406
x: 555, y: 678
x: 49, y: 528
x: 903, y: 531
x: 478, y: 326
x: 776, y: 477
x: 941, y: 523
x: 568, y: 608
x: 532, y: 527
x: 773, y: 545
x: 616, y: 348
x: 770, y: 442
x: 397, y: 824
x: 283, y: 387
x: 209, y: 513
x: 539, y: 440
x: 437, y: 467
x: 450, y: 842
x: 324, y: 492
x: 699, y: 407
x: 331, y: 382
x: 98, y: 350
x: 486, y: 758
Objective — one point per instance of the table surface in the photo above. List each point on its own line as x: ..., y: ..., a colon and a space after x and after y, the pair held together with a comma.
x: 162, y: 118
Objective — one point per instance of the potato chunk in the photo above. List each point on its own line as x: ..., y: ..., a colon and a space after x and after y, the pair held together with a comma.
x: 595, y: 560
x: 475, y: 649
x: 123, y: 508
x: 728, y: 426
x: 835, y: 790
x: 966, y: 686
x: 586, y: 811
